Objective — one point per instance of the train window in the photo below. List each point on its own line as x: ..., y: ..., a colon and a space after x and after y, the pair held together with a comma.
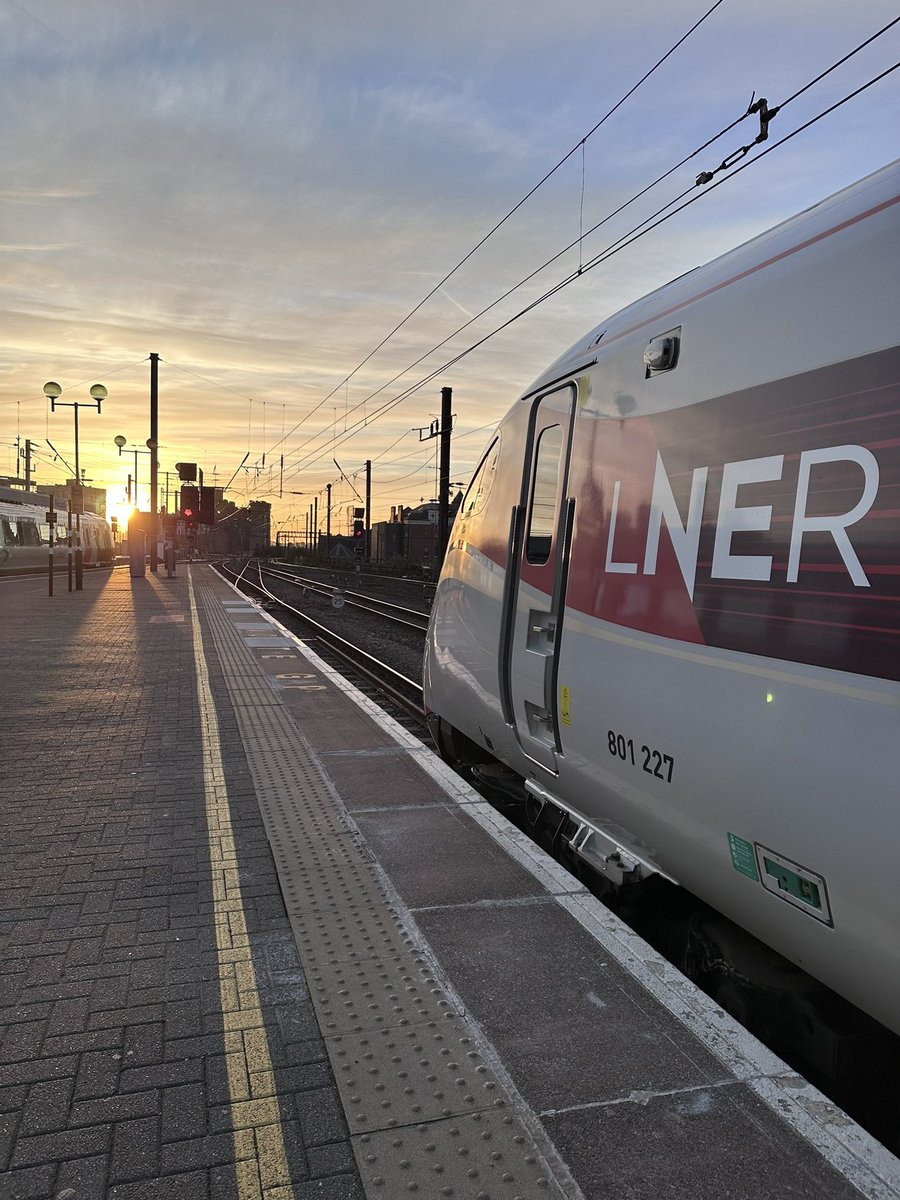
x: 544, y: 496
x: 21, y: 533
x: 480, y: 487
x: 29, y: 534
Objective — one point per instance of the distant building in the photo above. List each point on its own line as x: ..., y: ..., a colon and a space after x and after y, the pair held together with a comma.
x: 17, y: 483
x: 93, y: 499
x: 260, y: 517
x: 410, y: 537
x: 238, y: 530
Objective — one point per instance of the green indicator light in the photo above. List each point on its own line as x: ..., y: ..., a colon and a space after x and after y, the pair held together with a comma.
x: 742, y: 857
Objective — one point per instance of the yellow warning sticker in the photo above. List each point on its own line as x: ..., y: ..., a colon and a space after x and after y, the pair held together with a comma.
x: 564, y: 709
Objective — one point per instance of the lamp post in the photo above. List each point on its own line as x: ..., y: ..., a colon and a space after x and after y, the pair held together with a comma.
x: 150, y: 531
x: 174, y: 475
x: 98, y: 394
x: 121, y: 442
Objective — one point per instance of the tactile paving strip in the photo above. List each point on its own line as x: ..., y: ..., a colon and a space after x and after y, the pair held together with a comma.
x: 344, y: 936
x: 398, y: 1076
x: 326, y: 885
x: 298, y: 806
x: 371, y: 994
x: 267, y: 643
x: 339, y: 853
x: 402, y: 1052
x: 486, y: 1156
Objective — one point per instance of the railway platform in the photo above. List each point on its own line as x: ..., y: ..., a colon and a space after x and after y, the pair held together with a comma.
x: 259, y: 942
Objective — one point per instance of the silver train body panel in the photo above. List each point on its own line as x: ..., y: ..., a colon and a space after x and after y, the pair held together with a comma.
x: 25, y: 535
x: 670, y: 600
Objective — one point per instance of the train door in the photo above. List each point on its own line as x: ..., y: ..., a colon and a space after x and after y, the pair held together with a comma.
x: 536, y: 600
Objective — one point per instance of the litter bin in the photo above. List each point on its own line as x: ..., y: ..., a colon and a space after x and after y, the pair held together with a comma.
x: 137, y: 553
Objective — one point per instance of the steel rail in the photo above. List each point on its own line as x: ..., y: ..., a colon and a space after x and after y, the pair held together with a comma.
x: 403, y: 691
x: 424, y: 584
x: 359, y: 600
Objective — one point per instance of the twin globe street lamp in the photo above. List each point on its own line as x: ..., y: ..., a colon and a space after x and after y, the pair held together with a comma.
x: 53, y: 391
x: 121, y: 442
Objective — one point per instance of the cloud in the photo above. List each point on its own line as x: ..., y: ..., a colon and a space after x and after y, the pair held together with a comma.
x: 47, y: 195
x: 261, y: 192
x: 31, y: 248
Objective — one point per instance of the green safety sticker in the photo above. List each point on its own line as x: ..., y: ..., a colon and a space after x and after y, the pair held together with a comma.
x: 743, y: 857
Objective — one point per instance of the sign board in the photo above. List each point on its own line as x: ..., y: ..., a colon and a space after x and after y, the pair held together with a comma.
x: 76, y: 498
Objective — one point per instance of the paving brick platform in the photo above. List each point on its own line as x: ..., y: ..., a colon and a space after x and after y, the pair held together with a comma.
x: 121, y: 1064
x: 240, y: 908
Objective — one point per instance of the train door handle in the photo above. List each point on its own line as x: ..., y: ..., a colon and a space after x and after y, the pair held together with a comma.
x: 541, y: 632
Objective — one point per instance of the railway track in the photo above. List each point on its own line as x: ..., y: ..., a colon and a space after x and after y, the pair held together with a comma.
x: 403, y: 692
x: 412, y: 618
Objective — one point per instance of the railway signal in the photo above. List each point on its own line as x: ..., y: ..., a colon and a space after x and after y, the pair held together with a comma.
x: 190, y: 506
x: 207, y: 508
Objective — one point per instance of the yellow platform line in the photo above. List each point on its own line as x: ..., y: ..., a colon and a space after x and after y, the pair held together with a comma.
x: 261, y: 1167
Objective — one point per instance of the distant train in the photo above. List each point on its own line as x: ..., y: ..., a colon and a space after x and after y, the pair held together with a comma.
x: 25, y: 534
x: 671, y: 599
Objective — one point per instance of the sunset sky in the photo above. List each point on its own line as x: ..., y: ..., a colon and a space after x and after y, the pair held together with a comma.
x: 261, y: 192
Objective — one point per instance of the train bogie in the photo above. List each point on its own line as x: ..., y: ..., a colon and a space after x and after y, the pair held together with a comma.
x: 670, y: 598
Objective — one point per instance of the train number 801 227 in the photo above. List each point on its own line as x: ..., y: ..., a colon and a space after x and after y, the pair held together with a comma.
x: 654, y: 762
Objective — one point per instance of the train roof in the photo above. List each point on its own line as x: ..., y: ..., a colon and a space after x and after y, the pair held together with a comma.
x: 11, y: 495
x: 878, y: 190
x: 18, y: 497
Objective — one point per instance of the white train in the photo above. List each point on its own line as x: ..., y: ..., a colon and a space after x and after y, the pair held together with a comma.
x: 670, y: 601
x: 25, y: 534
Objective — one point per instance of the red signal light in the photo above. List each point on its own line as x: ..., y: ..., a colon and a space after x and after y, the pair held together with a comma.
x: 190, y: 503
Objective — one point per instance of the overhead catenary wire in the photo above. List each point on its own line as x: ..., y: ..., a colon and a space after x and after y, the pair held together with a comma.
x: 203, y: 379
x: 662, y: 215
x: 382, y: 484
x: 651, y: 221
x: 256, y: 485
x: 499, y: 224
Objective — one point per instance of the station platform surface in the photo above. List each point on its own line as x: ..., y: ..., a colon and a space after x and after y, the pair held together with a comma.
x: 259, y: 942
